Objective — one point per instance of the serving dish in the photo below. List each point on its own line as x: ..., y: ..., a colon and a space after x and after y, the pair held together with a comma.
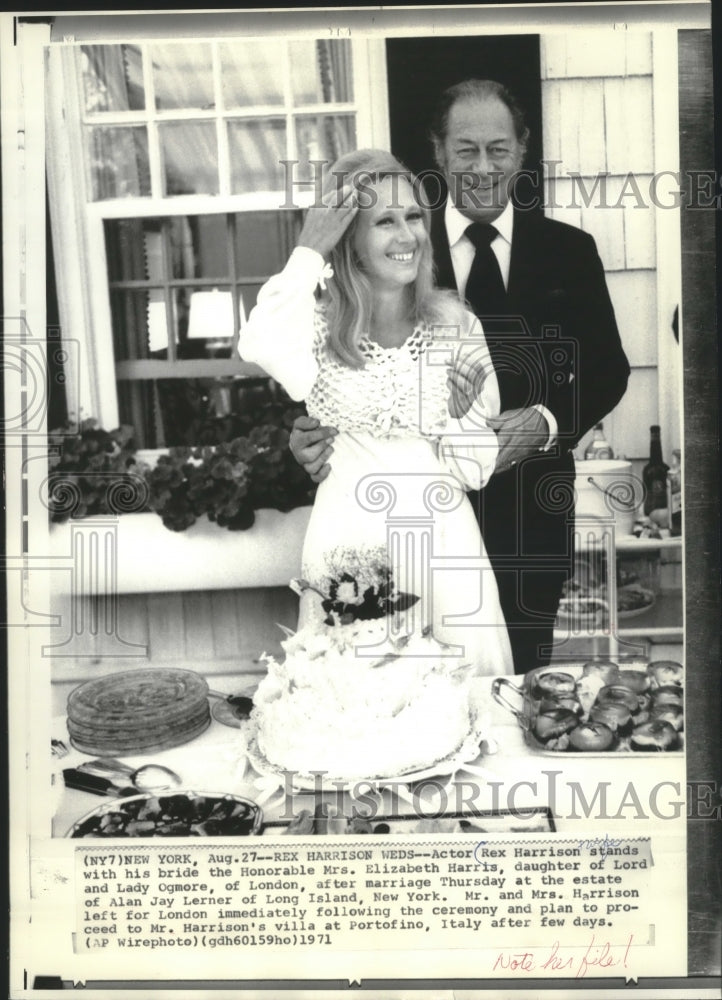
x: 634, y: 600
x: 232, y: 710
x: 472, y: 822
x: 582, y: 612
x: 526, y: 708
x: 179, y: 813
x: 468, y: 753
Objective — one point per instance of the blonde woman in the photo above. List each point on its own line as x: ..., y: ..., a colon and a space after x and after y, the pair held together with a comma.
x: 354, y: 326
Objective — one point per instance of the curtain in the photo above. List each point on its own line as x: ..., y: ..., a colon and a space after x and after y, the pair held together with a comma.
x: 118, y: 154
x: 334, y: 63
x: 334, y: 67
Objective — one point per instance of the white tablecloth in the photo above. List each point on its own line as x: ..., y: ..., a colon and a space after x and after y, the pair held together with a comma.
x: 601, y: 793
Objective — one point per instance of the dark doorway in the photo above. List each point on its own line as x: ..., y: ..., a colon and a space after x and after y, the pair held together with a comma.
x: 420, y: 68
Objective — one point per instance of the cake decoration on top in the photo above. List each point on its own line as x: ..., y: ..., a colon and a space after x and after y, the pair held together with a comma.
x: 355, y: 700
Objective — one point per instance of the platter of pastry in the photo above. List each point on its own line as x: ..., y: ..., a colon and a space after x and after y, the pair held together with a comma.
x: 600, y: 707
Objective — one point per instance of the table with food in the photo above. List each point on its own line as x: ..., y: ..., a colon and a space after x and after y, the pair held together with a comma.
x: 405, y: 738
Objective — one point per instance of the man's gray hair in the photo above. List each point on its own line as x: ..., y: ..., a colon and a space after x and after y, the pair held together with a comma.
x: 476, y: 89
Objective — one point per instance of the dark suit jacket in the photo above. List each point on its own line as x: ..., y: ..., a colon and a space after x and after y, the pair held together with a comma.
x: 557, y: 345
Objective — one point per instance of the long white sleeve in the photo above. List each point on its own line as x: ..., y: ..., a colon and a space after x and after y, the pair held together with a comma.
x: 278, y: 334
x: 468, y: 448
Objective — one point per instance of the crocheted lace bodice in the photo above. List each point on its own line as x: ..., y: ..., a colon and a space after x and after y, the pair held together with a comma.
x: 400, y: 391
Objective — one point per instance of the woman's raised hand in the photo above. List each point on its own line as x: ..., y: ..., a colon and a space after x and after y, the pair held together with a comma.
x: 326, y: 223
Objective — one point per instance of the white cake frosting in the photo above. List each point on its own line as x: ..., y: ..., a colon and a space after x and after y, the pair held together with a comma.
x: 334, y: 705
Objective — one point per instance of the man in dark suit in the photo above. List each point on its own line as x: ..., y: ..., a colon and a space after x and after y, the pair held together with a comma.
x: 538, y: 286
x: 553, y: 338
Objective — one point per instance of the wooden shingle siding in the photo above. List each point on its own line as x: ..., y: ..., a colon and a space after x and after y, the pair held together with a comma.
x: 597, y: 99
x: 634, y: 294
x: 596, y: 53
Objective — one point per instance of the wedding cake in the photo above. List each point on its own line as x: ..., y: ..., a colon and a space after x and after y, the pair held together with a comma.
x: 352, y: 700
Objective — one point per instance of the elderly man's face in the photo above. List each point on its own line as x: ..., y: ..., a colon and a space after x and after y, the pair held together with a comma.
x: 479, y: 156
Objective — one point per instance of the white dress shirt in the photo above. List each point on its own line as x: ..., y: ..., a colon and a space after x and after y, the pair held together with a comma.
x: 462, y: 256
x: 463, y: 250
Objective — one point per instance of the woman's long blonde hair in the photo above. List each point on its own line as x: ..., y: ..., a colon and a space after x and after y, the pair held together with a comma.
x: 349, y: 293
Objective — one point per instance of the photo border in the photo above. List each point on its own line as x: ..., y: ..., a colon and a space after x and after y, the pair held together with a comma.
x: 701, y: 563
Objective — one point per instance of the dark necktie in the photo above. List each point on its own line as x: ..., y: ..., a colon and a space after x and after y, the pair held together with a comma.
x: 485, y: 290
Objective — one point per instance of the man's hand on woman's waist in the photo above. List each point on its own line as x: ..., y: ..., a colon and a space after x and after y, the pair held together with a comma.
x: 312, y: 446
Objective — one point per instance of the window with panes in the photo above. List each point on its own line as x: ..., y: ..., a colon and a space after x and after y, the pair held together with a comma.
x: 198, y: 159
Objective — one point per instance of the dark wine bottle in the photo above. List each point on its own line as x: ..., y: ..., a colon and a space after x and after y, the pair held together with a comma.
x: 654, y: 474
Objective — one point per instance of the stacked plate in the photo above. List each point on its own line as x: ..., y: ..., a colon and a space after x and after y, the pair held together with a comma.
x: 138, y: 711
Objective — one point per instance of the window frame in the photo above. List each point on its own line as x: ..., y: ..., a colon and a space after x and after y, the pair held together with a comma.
x: 78, y: 222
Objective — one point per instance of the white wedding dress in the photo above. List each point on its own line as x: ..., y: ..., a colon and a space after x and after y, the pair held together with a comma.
x: 400, y: 466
